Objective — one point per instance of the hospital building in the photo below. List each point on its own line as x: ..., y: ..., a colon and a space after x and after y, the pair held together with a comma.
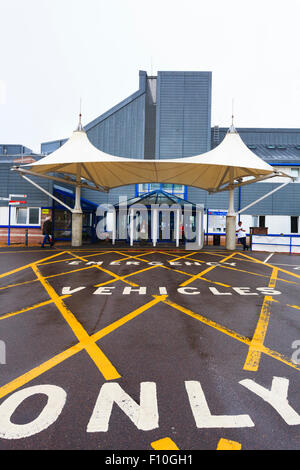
x: 169, y: 116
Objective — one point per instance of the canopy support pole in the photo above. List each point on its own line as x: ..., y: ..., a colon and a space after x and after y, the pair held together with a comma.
x: 77, y: 212
x: 263, y: 197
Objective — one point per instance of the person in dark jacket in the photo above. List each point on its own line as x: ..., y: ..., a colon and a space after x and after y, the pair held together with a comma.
x: 47, y: 232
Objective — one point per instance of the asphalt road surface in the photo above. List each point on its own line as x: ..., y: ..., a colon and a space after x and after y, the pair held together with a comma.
x: 142, y: 349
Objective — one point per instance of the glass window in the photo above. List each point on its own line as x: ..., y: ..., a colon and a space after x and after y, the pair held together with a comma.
x: 34, y: 215
x: 28, y: 216
x: 294, y: 172
x: 21, y: 215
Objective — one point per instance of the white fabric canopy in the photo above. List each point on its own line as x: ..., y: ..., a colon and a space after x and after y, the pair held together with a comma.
x: 229, y: 161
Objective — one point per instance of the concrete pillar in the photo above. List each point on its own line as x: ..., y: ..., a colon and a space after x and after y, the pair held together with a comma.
x: 76, y: 228
x: 77, y: 213
x: 231, y: 223
x: 154, y: 223
x: 177, y: 226
x: 114, y: 228
x: 131, y: 226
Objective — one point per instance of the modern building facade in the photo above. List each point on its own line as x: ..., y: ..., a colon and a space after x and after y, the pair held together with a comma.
x: 169, y: 116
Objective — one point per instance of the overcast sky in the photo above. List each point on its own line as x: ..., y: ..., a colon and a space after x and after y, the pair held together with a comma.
x: 52, y: 52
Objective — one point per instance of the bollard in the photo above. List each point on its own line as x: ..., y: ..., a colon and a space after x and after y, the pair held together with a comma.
x: 26, y: 236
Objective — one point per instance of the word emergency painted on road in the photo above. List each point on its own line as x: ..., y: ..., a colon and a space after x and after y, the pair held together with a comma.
x: 145, y: 415
x: 151, y: 263
x: 162, y: 290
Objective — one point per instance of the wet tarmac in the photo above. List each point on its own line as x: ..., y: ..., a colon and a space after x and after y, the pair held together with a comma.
x: 121, y: 349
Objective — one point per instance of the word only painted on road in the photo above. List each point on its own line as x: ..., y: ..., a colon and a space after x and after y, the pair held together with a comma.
x: 145, y: 415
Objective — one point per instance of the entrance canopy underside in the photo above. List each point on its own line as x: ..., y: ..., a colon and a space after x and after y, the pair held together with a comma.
x: 230, y: 163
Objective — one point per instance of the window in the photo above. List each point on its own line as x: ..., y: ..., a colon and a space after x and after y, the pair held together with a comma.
x: 294, y: 224
x: 294, y: 172
x: 28, y: 216
x: 262, y: 221
x: 21, y: 216
x: 175, y: 189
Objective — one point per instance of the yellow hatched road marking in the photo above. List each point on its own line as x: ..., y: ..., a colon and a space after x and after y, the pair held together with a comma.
x: 205, y: 271
x: 133, y: 256
x: 122, y: 278
x: 61, y: 357
x: 32, y: 307
x: 104, y: 365
x: 271, y: 266
x: 186, y: 256
x: 192, y: 275
x: 243, y: 339
x: 117, y: 278
x: 21, y: 268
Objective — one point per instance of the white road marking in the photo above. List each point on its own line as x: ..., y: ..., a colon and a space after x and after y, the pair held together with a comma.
x: 203, y: 417
x: 276, y: 397
x: 51, y: 411
x: 268, y: 257
x: 144, y: 416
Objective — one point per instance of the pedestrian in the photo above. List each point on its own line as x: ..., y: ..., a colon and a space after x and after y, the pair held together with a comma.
x: 47, y: 232
x: 241, y: 233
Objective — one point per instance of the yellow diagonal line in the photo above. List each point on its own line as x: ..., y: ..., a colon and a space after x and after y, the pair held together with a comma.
x: 254, y: 353
x: 61, y: 357
x: 108, y: 329
x: 207, y: 270
x: 135, y: 256
x: 21, y: 268
x: 32, y: 307
x: 271, y: 266
x: 117, y: 278
x: 263, y: 349
x: 70, y: 259
x: 208, y: 322
x: 192, y: 275
x: 122, y: 278
x: 104, y: 365
x: 185, y: 256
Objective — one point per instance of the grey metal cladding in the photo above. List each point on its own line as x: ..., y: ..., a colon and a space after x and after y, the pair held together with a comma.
x: 112, y: 197
x: 286, y: 201
x: 272, y: 145
x: 122, y: 133
x: 12, y: 183
x: 183, y: 114
x: 210, y: 201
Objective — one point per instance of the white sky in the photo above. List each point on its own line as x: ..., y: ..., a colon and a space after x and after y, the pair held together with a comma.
x: 52, y: 52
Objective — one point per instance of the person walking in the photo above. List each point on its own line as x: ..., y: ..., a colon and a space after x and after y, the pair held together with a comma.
x: 47, y: 232
x: 241, y: 233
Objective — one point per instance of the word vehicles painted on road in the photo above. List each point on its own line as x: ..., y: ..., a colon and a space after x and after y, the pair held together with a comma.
x: 162, y: 290
x: 145, y: 415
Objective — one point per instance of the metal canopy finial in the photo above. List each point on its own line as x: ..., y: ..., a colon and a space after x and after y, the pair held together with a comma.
x: 232, y: 129
x: 80, y: 128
